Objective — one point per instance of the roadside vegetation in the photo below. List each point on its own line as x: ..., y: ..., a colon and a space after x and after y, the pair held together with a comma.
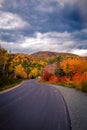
x: 67, y: 69
x: 17, y: 67
x: 6, y: 83
x: 69, y: 72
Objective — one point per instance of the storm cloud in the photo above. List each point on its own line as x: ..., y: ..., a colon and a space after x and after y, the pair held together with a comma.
x: 48, y: 25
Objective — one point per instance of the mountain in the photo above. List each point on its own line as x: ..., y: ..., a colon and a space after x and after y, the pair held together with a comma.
x: 43, y: 55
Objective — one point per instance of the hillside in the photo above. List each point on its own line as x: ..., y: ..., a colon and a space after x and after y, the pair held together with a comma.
x: 70, y: 67
x: 43, y: 55
x: 24, y: 56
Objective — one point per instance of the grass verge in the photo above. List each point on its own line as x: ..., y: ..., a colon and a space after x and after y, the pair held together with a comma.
x: 69, y: 84
x: 13, y: 84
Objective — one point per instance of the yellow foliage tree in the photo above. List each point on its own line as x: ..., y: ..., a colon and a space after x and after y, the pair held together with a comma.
x: 34, y: 72
x: 19, y: 70
x: 3, y: 60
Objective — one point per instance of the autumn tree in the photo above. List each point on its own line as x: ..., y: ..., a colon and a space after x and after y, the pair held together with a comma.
x: 58, y: 61
x: 20, y: 73
x: 34, y: 72
x: 72, y: 66
x: 4, y: 55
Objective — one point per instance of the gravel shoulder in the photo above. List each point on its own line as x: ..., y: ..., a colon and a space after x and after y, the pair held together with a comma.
x: 77, y: 106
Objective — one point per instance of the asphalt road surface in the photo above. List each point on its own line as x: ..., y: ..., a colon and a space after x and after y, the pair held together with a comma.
x: 33, y: 106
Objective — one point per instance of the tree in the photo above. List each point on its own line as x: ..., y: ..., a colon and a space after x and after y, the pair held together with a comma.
x: 72, y: 66
x: 34, y: 73
x: 58, y: 61
x: 20, y: 73
x: 3, y: 60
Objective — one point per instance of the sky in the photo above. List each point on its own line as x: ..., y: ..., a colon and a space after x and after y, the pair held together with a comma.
x: 29, y: 26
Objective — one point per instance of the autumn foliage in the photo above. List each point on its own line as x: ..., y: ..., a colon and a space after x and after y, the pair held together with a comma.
x: 81, y: 81
x: 18, y: 66
x: 54, y: 79
x: 46, y: 76
x: 74, y: 73
x: 69, y: 71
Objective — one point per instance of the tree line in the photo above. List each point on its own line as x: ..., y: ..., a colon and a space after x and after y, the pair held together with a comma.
x: 18, y: 66
x: 71, y: 71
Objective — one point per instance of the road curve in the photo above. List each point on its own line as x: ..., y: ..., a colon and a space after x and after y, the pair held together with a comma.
x: 33, y: 106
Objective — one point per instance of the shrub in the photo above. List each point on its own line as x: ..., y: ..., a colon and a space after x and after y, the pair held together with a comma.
x: 81, y: 81
x: 46, y: 76
x: 6, y: 81
x: 69, y: 84
x: 64, y: 79
x: 54, y: 78
x: 84, y: 86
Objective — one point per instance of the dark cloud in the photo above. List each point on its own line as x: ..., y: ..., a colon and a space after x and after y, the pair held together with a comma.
x: 36, y: 25
x: 82, y: 6
x: 64, y: 18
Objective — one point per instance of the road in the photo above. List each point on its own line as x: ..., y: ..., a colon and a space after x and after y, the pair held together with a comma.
x: 33, y: 106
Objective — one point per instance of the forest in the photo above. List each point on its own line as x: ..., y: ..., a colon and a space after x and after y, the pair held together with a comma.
x: 62, y: 69
x: 17, y: 67
x: 69, y: 71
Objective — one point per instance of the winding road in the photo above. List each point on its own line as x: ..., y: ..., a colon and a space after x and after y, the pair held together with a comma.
x: 33, y: 106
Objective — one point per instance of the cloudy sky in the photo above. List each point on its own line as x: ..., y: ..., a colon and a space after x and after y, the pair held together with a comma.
x: 29, y: 26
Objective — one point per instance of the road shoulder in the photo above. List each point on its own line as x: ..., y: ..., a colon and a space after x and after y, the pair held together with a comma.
x: 9, y: 89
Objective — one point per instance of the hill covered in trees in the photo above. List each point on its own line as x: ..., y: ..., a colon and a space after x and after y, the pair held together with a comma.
x: 46, y: 55
x: 18, y: 66
x: 65, y: 68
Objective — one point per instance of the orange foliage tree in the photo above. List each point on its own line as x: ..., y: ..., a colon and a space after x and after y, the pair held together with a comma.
x: 20, y: 73
x: 72, y: 66
x: 81, y: 81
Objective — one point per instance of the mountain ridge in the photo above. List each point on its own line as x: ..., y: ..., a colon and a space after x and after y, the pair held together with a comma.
x: 41, y: 55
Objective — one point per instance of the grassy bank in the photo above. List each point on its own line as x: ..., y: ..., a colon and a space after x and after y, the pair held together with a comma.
x: 69, y: 84
x: 9, y: 83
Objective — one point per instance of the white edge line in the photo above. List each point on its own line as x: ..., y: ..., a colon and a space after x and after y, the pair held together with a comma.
x: 9, y: 89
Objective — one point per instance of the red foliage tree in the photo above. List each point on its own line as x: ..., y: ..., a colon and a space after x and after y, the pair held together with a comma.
x: 54, y: 78
x: 64, y: 79
x: 46, y: 76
